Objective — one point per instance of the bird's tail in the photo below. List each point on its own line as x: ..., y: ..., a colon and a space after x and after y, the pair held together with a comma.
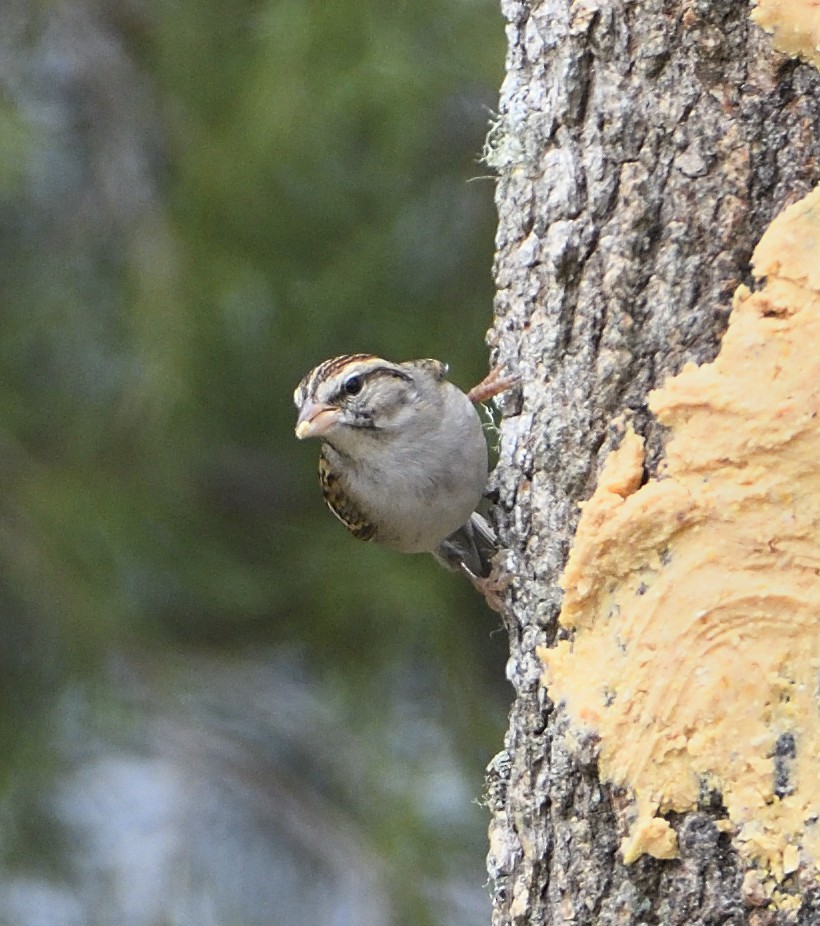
x: 471, y: 547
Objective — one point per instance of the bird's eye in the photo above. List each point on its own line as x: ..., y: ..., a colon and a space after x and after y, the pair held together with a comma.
x: 352, y: 385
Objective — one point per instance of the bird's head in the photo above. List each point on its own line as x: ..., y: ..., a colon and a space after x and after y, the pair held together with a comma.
x: 349, y: 398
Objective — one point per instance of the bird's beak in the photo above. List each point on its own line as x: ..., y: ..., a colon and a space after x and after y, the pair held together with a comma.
x: 314, y: 419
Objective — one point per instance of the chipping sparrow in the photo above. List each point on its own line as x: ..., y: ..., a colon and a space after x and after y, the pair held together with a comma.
x: 404, y: 460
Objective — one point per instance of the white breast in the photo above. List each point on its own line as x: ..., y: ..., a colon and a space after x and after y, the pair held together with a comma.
x: 425, y: 481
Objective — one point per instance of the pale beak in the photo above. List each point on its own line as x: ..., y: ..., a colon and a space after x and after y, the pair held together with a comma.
x: 314, y: 419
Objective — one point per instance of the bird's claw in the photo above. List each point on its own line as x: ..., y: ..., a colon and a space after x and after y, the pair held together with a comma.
x: 492, y: 588
x: 492, y: 385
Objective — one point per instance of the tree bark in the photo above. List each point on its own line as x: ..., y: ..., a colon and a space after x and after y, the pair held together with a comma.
x: 641, y: 149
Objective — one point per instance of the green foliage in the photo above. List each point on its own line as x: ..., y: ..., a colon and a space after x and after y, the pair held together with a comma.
x: 233, y: 192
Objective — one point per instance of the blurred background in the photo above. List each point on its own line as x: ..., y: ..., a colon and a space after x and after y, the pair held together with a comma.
x: 215, y: 706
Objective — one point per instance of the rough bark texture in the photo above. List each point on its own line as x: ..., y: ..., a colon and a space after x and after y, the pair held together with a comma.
x: 642, y: 149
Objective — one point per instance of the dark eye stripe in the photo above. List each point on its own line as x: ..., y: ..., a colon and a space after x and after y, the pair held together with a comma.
x: 331, y: 367
x: 366, y: 376
x: 326, y: 370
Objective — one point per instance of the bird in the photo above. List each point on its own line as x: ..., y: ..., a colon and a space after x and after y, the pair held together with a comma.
x: 403, y: 461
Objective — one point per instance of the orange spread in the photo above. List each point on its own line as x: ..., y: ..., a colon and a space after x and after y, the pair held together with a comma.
x: 794, y: 25
x: 694, y: 599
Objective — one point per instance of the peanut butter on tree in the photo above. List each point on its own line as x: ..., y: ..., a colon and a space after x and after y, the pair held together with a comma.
x: 694, y: 599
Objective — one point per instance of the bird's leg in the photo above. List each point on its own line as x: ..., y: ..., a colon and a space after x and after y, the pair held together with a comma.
x: 492, y: 385
x: 492, y: 588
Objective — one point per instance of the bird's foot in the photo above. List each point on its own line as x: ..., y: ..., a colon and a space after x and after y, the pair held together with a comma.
x: 492, y: 588
x: 492, y: 385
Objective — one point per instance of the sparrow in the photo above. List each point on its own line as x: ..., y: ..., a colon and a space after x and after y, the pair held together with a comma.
x: 403, y: 460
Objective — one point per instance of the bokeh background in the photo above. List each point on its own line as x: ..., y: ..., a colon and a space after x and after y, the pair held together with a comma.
x: 215, y: 706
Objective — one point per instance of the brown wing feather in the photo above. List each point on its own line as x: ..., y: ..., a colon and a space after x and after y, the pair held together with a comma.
x: 340, y: 504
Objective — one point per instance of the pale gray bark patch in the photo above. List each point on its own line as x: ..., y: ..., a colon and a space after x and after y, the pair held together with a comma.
x: 641, y: 148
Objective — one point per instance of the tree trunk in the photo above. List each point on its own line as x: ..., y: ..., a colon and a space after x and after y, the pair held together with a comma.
x: 642, y: 150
